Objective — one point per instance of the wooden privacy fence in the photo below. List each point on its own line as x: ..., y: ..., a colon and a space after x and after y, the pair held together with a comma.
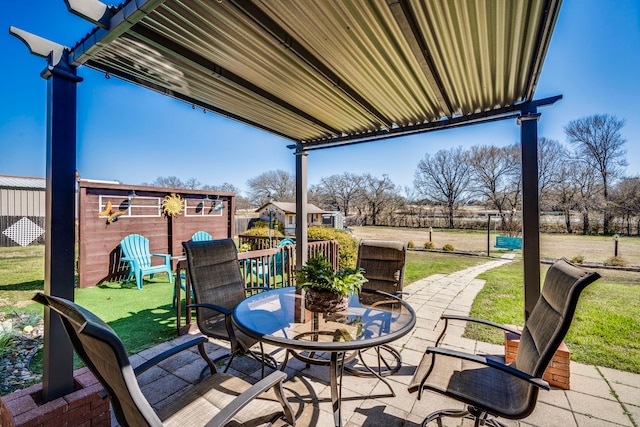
x: 275, y: 266
x: 265, y: 267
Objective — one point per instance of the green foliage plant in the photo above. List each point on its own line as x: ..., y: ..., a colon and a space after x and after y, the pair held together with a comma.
x: 429, y: 245
x: 263, y: 231
x: 318, y: 274
x: 448, y: 248
x: 277, y: 225
x: 348, y: 253
x: 410, y: 244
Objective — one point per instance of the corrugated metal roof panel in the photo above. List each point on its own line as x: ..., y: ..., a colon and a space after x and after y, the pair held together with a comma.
x: 22, y: 182
x: 324, y: 70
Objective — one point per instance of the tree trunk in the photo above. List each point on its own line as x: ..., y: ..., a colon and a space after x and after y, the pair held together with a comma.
x: 585, y: 223
x: 567, y: 221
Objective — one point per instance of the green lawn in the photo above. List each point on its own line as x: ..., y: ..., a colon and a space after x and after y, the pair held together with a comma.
x: 21, y: 275
x: 606, y: 327
x: 423, y: 264
x: 606, y: 330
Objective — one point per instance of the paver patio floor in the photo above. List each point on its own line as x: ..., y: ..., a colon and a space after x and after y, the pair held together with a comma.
x: 598, y: 396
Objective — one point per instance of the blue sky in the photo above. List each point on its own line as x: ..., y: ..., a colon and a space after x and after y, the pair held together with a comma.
x: 133, y: 135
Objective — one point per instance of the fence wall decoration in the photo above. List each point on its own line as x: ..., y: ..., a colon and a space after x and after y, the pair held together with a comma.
x: 108, y: 212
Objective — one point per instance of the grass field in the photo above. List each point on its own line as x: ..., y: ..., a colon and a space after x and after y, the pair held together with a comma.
x: 592, y: 248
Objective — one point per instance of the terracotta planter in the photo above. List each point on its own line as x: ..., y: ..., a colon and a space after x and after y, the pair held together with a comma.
x: 324, y: 302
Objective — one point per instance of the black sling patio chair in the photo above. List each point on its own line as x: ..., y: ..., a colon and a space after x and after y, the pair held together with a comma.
x: 220, y: 399
x: 383, y: 262
x: 493, y: 389
x: 218, y: 286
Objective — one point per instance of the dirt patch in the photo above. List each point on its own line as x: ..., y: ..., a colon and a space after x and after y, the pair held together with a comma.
x: 592, y: 248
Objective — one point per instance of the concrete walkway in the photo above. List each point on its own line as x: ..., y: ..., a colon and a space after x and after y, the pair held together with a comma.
x: 598, y: 396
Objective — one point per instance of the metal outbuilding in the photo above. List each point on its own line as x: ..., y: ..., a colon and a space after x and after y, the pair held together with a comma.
x: 22, y: 210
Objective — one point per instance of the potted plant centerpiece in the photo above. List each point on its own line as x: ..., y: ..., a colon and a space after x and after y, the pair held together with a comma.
x: 326, y: 290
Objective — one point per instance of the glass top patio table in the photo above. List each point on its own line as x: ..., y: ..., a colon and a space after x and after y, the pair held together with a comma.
x: 278, y: 317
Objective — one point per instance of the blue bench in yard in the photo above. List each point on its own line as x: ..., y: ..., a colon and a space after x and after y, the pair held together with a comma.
x: 504, y: 242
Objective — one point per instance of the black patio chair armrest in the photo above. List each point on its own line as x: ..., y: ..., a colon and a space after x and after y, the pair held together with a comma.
x: 538, y: 382
x: 274, y: 379
x: 217, y: 308
x: 168, y: 353
x: 481, y: 321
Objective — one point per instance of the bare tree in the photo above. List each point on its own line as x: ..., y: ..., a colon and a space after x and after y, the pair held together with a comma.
x: 277, y: 184
x: 225, y: 186
x: 166, y: 182
x: 444, y: 178
x: 378, y: 195
x: 496, y: 171
x: 341, y: 191
x: 626, y: 200
x: 317, y: 196
x: 241, y: 201
x: 552, y: 156
x: 590, y: 193
x: 598, y: 143
x: 564, y: 195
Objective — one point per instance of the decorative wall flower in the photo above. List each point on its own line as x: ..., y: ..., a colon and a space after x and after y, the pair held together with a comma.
x: 172, y: 205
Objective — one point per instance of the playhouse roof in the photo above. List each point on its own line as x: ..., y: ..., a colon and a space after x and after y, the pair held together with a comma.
x: 290, y: 208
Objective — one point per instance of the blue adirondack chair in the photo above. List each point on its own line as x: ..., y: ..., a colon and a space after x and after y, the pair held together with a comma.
x: 135, y: 251
x: 264, y: 271
x: 198, y: 236
x: 201, y: 236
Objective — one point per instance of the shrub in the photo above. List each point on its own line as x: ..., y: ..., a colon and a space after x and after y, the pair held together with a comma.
x: 616, y: 261
x: 263, y: 231
x: 410, y: 244
x: 277, y: 225
x: 429, y: 245
x: 578, y: 259
x: 448, y: 247
x: 348, y: 252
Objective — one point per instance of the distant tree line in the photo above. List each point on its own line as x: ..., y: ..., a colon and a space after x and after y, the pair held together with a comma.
x: 585, y: 180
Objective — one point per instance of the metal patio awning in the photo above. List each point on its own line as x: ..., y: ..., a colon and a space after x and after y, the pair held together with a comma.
x: 327, y: 72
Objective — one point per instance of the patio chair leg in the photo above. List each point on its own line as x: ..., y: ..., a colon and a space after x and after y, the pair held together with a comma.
x: 266, y: 359
x: 226, y: 368
x: 205, y: 356
x: 214, y: 362
x: 480, y: 418
x: 437, y: 415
